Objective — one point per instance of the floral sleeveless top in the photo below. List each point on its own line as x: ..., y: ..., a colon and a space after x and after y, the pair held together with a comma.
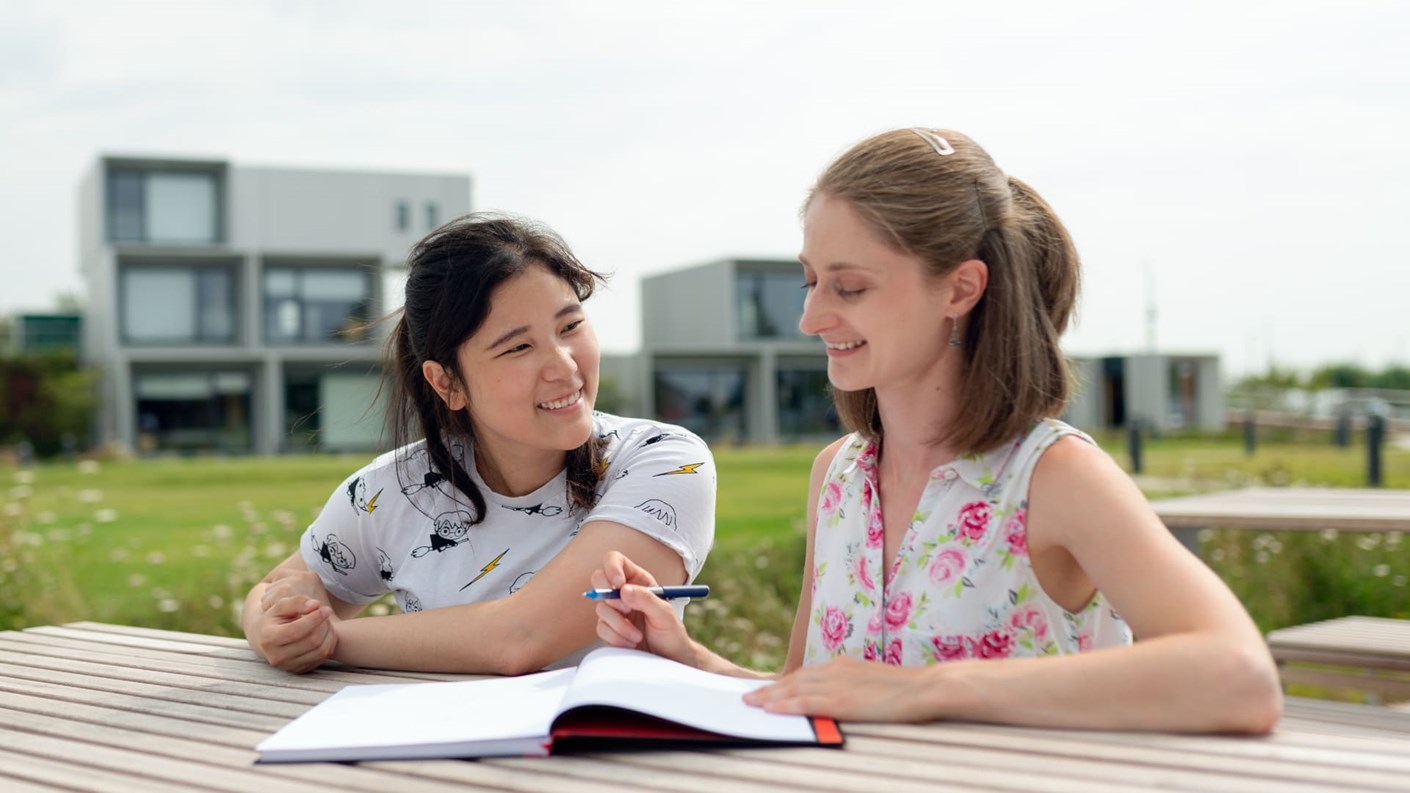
x: 961, y: 585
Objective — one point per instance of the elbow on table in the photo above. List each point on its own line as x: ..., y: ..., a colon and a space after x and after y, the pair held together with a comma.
x: 1255, y: 704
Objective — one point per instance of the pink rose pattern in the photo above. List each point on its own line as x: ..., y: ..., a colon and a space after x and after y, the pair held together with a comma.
x: 1016, y: 532
x: 835, y: 628
x: 974, y: 520
x: 898, y: 611
x: 831, y: 497
x: 947, y: 567
x: 961, y: 586
x: 863, y: 573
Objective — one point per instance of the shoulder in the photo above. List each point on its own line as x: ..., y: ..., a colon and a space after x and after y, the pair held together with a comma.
x: 631, y: 435
x: 823, y: 461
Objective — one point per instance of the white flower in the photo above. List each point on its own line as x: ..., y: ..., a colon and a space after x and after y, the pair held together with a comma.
x: 88, y: 466
x: 1381, y: 570
x: 105, y: 515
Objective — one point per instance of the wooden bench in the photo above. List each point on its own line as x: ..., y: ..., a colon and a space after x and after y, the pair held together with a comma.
x: 1370, y: 654
x: 1285, y: 509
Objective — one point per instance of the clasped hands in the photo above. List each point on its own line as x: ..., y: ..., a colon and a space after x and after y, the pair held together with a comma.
x: 296, y: 627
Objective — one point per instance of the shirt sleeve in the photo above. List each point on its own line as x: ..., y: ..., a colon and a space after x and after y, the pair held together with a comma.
x: 340, y: 545
x: 663, y: 485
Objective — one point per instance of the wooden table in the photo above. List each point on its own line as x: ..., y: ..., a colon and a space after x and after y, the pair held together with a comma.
x: 88, y: 706
x: 1371, y: 654
x: 1285, y: 508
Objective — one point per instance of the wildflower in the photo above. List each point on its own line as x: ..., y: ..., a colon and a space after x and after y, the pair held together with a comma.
x: 156, y: 557
x: 118, y: 554
x: 1381, y: 570
x: 167, y: 605
x: 13, y: 509
x: 221, y: 531
x: 216, y: 602
x: 19, y: 492
x: 105, y: 515
x: 1216, y: 555
x: 1261, y: 557
x: 1369, y: 542
x: 1205, y: 535
x: 88, y: 466
x: 90, y: 496
x: 1398, y: 581
x: 46, y: 517
x: 137, y: 580
x: 1329, y: 535
x: 200, y: 551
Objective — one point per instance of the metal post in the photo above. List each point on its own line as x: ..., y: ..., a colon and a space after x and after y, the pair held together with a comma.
x: 1250, y: 433
x: 1133, y: 443
x: 1343, y: 430
x: 1375, y: 436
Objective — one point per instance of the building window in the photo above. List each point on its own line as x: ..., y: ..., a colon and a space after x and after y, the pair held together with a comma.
x: 770, y: 304
x: 316, y: 305
x: 178, y: 305
x: 708, y: 400
x: 403, y: 216
x: 163, y: 207
x: 433, y: 215
x: 191, y: 411
x: 804, y: 404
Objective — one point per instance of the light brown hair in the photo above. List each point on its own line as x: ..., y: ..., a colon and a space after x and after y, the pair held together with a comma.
x: 945, y: 208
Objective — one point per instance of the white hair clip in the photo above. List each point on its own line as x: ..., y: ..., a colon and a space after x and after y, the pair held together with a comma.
x: 941, y: 146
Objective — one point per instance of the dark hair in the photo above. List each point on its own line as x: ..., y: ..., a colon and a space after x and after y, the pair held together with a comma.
x: 451, y: 277
x: 938, y: 196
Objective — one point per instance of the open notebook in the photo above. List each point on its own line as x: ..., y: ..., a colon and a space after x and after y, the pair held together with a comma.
x: 614, y: 699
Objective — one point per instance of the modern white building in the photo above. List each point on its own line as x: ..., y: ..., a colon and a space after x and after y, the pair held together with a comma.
x: 722, y: 354
x: 1163, y: 391
x: 229, y: 307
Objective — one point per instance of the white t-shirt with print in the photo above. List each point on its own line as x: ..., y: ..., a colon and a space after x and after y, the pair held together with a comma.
x: 397, y: 526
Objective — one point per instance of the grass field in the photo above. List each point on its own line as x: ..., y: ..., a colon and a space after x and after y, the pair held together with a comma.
x: 175, y: 543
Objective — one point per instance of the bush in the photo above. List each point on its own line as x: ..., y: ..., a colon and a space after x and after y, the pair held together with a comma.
x: 47, y: 401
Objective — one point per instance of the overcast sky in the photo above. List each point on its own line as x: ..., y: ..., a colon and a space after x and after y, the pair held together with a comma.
x: 1245, y: 166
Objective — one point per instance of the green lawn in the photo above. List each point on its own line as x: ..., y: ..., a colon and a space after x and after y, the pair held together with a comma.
x: 176, y: 542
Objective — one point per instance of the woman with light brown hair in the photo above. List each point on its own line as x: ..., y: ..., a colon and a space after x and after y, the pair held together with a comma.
x: 961, y: 531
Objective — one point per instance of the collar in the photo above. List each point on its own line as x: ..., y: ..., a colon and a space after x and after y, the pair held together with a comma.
x: 979, y: 470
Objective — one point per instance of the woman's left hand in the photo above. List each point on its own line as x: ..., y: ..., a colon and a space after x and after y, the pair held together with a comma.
x: 848, y: 689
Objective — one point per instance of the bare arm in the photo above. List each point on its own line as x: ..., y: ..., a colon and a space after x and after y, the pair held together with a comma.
x: 1200, y: 664
x: 641, y: 620
x: 544, y: 621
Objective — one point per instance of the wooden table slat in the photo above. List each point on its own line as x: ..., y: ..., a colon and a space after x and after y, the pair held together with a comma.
x: 89, y: 706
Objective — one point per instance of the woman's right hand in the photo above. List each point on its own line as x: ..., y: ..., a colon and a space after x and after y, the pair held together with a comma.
x: 639, y: 619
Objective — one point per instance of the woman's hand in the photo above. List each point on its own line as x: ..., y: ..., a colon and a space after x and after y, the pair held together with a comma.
x: 295, y: 633
x: 639, y: 619
x: 293, y: 625
x: 851, y: 690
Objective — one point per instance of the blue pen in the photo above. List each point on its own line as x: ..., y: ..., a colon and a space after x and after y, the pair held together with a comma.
x: 666, y: 592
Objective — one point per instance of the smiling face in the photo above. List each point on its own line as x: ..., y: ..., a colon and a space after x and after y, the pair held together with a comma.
x: 880, y: 312
x: 529, y: 373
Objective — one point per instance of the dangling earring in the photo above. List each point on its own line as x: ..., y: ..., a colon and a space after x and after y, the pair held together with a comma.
x: 955, y: 340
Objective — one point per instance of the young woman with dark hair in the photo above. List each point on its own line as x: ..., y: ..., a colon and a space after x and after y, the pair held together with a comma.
x: 505, y: 488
